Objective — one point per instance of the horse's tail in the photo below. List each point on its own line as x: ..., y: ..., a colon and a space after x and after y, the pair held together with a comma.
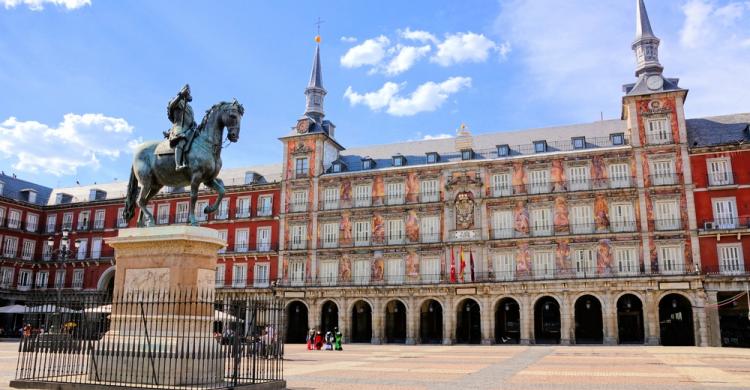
x: 131, y: 197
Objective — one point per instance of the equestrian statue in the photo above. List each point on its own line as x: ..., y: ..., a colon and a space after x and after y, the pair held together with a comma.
x: 191, y: 155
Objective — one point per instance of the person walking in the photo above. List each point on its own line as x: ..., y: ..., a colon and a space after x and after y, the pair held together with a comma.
x: 338, y: 336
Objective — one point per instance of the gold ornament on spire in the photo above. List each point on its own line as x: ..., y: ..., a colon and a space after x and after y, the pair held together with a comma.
x: 317, y: 38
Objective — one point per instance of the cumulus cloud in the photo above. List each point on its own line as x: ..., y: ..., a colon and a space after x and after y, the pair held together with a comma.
x: 405, y: 58
x: 418, y: 35
x: 369, y: 52
x: 425, y: 98
x: 77, y: 141
x: 466, y: 47
x: 38, y: 5
x: 428, y: 137
x: 348, y: 39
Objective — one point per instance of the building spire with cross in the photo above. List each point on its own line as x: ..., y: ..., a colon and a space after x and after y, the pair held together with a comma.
x: 646, y: 44
x: 315, y: 93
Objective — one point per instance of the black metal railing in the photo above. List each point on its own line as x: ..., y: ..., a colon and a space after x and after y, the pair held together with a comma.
x: 734, y: 267
x: 718, y: 179
x: 182, y: 340
x: 729, y: 223
x: 665, y: 179
x: 667, y: 224
x: 257, y: 247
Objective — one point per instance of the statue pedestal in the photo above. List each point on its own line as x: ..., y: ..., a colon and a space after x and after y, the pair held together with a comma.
x: 161, y: 329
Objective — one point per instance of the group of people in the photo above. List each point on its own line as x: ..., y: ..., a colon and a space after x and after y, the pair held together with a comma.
x: 331, y: 341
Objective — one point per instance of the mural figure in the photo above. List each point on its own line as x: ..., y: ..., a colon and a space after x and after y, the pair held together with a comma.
x: 378, y: 190
x: 378, y: 267
x: 601, y: 213
x: 523, y: 259
x: 412, y: 264
x: 346, y: 229
x: 561, y: 220
x: 604, y: 257
x: 562, y: 257
x: 521, y: 218
x: 519, y: 178
x: 599, y: 174
x: 346, y: 193
x: 464, y: 205
x: 557, y: 176
x: 412, y: 188
x: 412, y: 226
x: 345, y: 273
x: 378, y: 229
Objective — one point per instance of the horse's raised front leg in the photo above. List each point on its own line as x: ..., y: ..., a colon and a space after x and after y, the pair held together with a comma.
x: 145, y: 218
x: 218, y: 186
x: 195, y: 183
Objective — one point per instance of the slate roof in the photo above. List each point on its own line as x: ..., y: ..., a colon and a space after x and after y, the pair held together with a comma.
x: 718, y: 130
x: 12, y: 188
x: 640, y: 87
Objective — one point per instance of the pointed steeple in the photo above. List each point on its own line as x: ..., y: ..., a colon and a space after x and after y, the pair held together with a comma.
x: 646, y: 44
x: 315, y: 93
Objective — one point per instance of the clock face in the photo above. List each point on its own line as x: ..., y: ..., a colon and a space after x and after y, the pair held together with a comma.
x: 302, y: 126
x: 654, y: 82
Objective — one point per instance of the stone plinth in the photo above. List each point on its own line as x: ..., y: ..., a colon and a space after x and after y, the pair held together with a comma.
x: 161, y: 324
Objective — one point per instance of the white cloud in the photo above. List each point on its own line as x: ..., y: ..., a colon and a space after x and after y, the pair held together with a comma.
x: 426, y: 97
x: 406, y: 58
x: 348, y: 39
x: 369, y: 52
x: 696, y: 30
x: 418, y: 35
x: 437, y: 136
x: 38, y: 5
x: 465, y: 47
x: 77, y: 141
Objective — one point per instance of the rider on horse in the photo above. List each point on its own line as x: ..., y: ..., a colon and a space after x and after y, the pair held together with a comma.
x: 180, y: 114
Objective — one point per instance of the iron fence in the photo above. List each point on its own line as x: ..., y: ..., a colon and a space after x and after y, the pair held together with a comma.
x: 182, y: 340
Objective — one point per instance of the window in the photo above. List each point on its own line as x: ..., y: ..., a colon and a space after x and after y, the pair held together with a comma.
x: 622, y: 217
x: 540, y: 146
x: 83, y: 220
x: 429, y: 270
x: 430, y: 228
x: 719, y: 172
x: 223, y: 234
x: 336, y: 168
x: 432, y: 158
x: 671, y: 259
x: 619, y: 175
x: 582, y: 219
x: 99, y: 219
x: 297, y: 272
x: 223, y: 211
x: 428, y: 191
x: 539, y: 181
x: 361, y: 233
x: 51, y: 222
x: 725, y: 213
x: 399, y: 161
x: 24, y: 279
x: 368, y: 164
x: 331, y: 198
x: 181, y: 215
x: 395, y: 193
x: 501, y: 184
x: 578, y: 178
x: 503, y: 151
x: 299, y: 201
x: 394, y: 271
x: 467, y: 154
x: 96, y: 247
x: 200, y: 210
x: 583, y: 259
x: 504, y: 264
x: 502, y: 224
x: 658, y: 131
x: 617, y: 139
x: 394, y: 231
x: 330, y: 235
x: 162, y: 214
x: 627, y: 261
x: 299, y: 235
x: 241, y: 240
x: 667, y: 215
x: 46, y: 252
x: 663, y: 172
x: 82, y: 248
x: 42, y: 278
x: 243, y: 207
x: 361, y: 272
x: 362, y: 195
x: 27, y: 250
x: 220, y: 275
x: 2, y: 216
x: 329, y: 272
x: 541, y: 222
x: 2, y: 186
x: 10, y: 247
x: 67, y: 222
x: 239, y: 275
x: 265, y: 205
x: 263, y: 239
x: 543, y: 264
x: 6, y: 277
x: 730, y: 259
x: 32, y: 222
x: 121, y: 222
x: 14, y: 219
x: 579, y: 142
x: 77, y: 278
x: 60, y: 278
x: 301, y: 167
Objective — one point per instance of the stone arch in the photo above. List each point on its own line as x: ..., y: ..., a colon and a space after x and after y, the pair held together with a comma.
x: 361, y: 311
x: 547, y: 311
x: 330, y: 315
x: 507, y: 316
x: 676, y: 319
x: 297, y: 314
x: 431, y: 321
x: 588, y: 319
x: 395, y: 326
x: 630, y: 318
x: 468, y: 321
x: 105, y: 279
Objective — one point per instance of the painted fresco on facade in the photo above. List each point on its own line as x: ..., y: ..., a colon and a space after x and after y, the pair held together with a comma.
x: 412, y: 264
x: 599, y: 174
x: 519, y: 178
x: 378, y: 229
x: 604, y: 257
x: 412, y: 188
x: 412, y: 226
x: 562, y: 256
x: 378, y: 190
x: 378, y: 266
x: 346, y: 193
x: 557, y: 176
x: 345, y: 268
x: 523, y: 259
x: 561, y: 220
x: 521, y: 218
x: 601, y: 213
x: 345, y: 228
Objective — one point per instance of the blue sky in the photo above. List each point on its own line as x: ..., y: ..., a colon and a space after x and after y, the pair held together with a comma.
x: 93, y: 77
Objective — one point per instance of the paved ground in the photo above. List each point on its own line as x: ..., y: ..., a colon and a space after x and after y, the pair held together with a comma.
x: 369, y: 367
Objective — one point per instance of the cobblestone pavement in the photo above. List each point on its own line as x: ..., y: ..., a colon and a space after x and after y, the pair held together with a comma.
x: 369, y: 367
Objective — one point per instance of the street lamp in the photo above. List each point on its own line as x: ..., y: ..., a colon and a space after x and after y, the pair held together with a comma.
x: 66, y: 250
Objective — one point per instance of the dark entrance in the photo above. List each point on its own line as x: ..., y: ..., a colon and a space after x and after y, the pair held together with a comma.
x: 507, y: 322
x: 329, y: 317
x: 296, y: 323
x: 431, y: 322
x: 361, y: 322
x: 588, y: 320
x: 547, y: 321
x: 676, y: 320
x: 468, y: 325
x: 733, y: 321
x: 395, y: 322
x: 629, y: 320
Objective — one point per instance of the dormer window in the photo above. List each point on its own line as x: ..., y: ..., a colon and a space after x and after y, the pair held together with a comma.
x: 2, y: 186
x: 338, y: 166
x: 399, y: 160
x: 617, y: 138
x: 579, y: 142
x: 503, y: 150
x: 28, y: 195
x: 63, y: 198
x: 368, y: 163
x: 96, y: 194
x: 540, y: 146
x: 432, y: 157
x: 467, y: 154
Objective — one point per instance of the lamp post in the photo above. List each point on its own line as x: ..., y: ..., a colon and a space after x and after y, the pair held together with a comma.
x: 66, y: 249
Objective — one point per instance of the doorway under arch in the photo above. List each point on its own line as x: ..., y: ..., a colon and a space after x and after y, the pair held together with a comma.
x: 468, y: 324
x: 329, y: 317
x: 630, y: 329
x: 395, y: 322
x: 361, y: 322
x: 676, y: 320
x: 296, y: 323
x: 589, y: 327
x: 507, y: 322
x: 431, y: 322
x: 547, y: 321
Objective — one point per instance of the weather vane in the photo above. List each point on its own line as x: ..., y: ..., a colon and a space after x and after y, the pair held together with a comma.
x: 318, y: 23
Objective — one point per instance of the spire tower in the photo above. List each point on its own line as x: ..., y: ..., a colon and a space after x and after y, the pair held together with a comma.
x: 315, y: 93
x: 646, y: 44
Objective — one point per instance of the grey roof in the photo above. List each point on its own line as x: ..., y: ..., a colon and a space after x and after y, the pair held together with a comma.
x: 640, y: 87
x: 316, y: 76
x: 13, y: 187
x: 718, y: 130
x: 642, y: 24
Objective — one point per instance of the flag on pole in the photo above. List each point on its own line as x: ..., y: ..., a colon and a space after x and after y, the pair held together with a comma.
x: 463, y: 264
x: 471, y: 264
x: 453, y: 267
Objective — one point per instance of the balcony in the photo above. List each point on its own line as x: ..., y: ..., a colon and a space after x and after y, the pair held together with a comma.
x: 363, y: 201
x: 720, y: 179
x: 730, y: 223
x: 428, y: 238
x: 667, y: 224
x: 331, y: 204
x: 582, y: 228
x: 536, y: 188
x: 264, y: 212
x: 661, y: 138
x: 429, y: 197
x: 394, y: 199
x: 298, y: 207
x: 242, y: 213
x: 297, y: 244
x: 665, y: 179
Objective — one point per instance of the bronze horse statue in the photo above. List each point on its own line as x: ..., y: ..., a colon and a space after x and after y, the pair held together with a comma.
x: 154, y: 165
